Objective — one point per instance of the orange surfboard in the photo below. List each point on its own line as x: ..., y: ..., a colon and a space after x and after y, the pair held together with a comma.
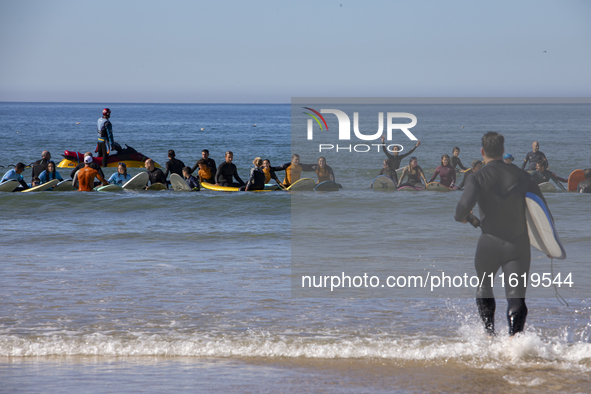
x: 574, y: 178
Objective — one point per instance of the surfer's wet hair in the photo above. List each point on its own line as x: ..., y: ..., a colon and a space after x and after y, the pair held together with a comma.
x: 187, y: 170
x: 171, y: 154
x: 588, y: 173
x: 493, y: 144
x: 19, y: 166
x: 202, y: 161
x: 295, y: 155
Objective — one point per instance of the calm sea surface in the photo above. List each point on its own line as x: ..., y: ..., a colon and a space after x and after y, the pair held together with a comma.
x: 174, y: 292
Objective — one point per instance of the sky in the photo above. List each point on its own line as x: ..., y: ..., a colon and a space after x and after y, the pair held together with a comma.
x: 270, y: 51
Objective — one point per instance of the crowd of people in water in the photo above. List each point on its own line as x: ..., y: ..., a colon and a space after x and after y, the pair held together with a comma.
x: 86, y: 173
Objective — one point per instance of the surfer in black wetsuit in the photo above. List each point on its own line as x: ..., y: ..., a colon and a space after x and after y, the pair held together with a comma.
x: 542, y: 175
x: 476, y: 165
x: 455, y: 159
x: 499, y: 189
x: 192, y: 181
x: 585, y: 186
x: 226, y: 171
x: 173, y: 166
x: 534, y: 157
x: 209, y: 163
x: 395, y: 157
x: 41, y: 165
x: 388, y: 171
x: 155, y: 174
x: 256, y: 181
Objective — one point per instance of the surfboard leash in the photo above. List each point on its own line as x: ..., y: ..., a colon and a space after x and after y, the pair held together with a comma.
x: 558, y: 296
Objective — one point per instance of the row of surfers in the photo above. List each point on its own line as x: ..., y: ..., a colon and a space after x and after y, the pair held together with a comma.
x: 84, y: 176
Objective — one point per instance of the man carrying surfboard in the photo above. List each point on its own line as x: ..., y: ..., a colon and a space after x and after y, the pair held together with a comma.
x: 499, y: 189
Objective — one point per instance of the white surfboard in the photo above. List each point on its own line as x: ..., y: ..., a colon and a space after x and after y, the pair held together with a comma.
x: 109, y: 188
x: 384, y: 183
x: 540, y: 227
x: 138, y: 182
x: 547, y: 187
x: 178, y: 183
x: 64, y: 186
x: 9, y: 186
x: 45, y: 186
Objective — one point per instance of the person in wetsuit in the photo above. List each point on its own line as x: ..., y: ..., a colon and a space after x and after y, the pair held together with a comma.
x: 93, y: 165
x: 155, y: 174
x: 86, y: 175
x: 105, y: 136
x: 40, y: 165
x: 323, y: 170
x: 542, y: 175
x: 499, y: 189
x: 227, y: 171
x: 270, y: 172
x: 534, y: 157
x: 447, y: 174
x: 585, y: 186
x: 192, y: 181
x: 476, y: 165
x: 256, y: 181
x: 49, y: 174
x: 293, y: 170
x: 209, y: 162
x: 206, y: 174
x: 15, y: 174
x: 389, y: 171
x: 173, y: 165
x: 455, y: 159
x: 395, y: 157
x: 120, y: 177
x: 414, y: 173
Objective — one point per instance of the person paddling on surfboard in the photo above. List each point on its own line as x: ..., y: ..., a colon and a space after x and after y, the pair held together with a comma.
x: 447, y: 174
x: 542, y: 175
x: 534, y: 157
x: 227, y: 171
x: 388, y: 171
x: 256, y: 181
x: 415, y: 173
x: 192, y: 181
x: 85, y: 177
x: 15, y: 174
x: 120, y: 177
x: 585, y: 186
x: 395, y: 157
x: 499, y: 189
x: 155, y: 174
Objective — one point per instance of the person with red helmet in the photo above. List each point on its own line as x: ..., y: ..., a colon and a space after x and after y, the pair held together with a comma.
x: 105, y: 136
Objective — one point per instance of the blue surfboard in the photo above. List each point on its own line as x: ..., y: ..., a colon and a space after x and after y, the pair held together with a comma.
x: 541, y: 229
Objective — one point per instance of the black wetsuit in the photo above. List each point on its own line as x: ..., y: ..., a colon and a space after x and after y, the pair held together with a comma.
x: 394, y: 160
x: 209, y: 162
x: 38, y: 167
x: 546, y: 176
x: 224, y: 174
x: 584, y: 186
x: 533, y: 158
x: 499, y: 189
x: 174, y: 166
x: 193, y: 183
x: 256, y: 181
x: 392, y: 174
x: 414, y: 177
x: 455, y: 161
x: 156, y: 176
x: 466, y: 174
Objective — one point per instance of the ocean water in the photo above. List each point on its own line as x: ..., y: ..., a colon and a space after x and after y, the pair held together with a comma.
x: 165, y: 291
